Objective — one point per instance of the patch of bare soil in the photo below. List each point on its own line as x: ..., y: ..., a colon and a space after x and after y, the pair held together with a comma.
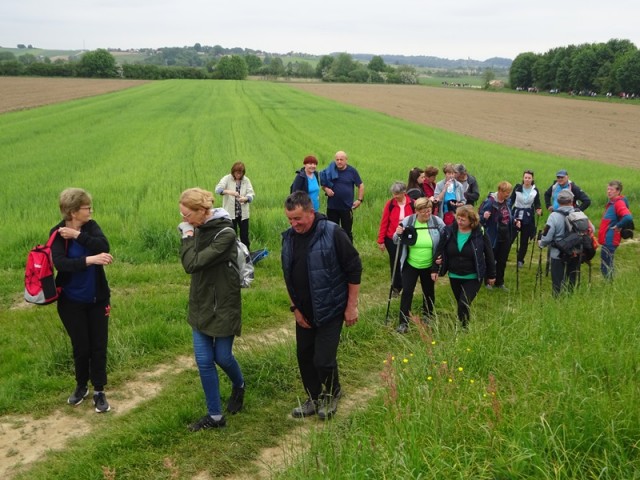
x: 19, y: 93
x: 605, y: 132
x: 24, y: 439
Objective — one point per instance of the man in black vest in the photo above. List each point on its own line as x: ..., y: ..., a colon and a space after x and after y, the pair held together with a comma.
x: 322, y: 271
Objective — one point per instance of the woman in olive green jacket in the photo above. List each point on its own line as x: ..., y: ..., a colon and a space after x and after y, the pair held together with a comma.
x: 208, y: 254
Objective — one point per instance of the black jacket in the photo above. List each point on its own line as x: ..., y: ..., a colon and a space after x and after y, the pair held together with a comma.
x: 92, y: 238
x: 580, y: 198
x: 478, y: 246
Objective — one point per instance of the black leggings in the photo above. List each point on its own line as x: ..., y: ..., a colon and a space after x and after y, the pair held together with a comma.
x: 464, y: 291
x: 88, y: 327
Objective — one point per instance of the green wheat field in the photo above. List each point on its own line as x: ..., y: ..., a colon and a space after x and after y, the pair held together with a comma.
x: 537, y: 388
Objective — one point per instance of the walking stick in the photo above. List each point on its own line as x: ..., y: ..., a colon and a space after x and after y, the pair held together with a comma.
x: 518, y: 236
x: 533, y: 241
x: 539, y: 274
x: 393, y: 276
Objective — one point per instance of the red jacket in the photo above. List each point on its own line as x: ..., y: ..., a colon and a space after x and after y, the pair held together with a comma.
x: 391, y: 217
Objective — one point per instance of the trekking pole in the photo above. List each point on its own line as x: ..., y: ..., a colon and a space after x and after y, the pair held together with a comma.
x: 533, y: 240
x: 393, y: 276
x: 518, y: 235
x: 539, y: 273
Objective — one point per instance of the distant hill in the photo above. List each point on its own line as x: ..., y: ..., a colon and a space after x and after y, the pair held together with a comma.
x: 423, y: 61
x: 436, y: 62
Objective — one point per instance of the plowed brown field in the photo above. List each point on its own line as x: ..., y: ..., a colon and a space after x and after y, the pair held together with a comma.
x: 18, y: 93
x: 606, y: 132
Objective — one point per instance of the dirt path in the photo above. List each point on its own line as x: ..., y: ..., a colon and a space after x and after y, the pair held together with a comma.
x: 606, y: 132
x: 25, y: 439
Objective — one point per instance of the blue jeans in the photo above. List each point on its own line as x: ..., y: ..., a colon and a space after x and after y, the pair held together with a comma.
x: 606, y: 261
x: 210, y: 351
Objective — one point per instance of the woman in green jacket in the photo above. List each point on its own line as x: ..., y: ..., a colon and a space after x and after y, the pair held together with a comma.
x: 208, y: 254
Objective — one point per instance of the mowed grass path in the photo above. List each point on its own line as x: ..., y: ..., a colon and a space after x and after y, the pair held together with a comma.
x: 136, y: 150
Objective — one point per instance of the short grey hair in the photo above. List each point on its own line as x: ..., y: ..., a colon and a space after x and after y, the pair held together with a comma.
x: 460, y: 168
x: 398, y: 187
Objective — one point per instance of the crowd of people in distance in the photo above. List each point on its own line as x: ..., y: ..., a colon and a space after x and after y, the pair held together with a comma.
x: 428, y: 228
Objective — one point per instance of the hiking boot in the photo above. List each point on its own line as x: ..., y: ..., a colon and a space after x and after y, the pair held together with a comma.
x: 329, y: 406
x: 206, y: 423
x: 236, y: 400
x: 308, y: 408
x: 77, y: 396
x: 402, y: 328
x: 100, y: 402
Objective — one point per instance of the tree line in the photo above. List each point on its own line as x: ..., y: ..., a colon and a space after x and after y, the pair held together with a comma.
x: 588, y: 69
x: 191, y: 63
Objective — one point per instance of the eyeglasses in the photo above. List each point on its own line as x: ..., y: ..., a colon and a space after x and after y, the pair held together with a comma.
x: 87, y: 208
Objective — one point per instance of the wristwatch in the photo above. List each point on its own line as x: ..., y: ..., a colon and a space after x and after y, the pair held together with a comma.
x: 361, y: 200
x: 293, y: 308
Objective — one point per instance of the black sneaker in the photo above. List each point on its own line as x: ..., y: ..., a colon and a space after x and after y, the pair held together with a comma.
x: 100, y: 402
x: 206, y: 423
x: 329, y: 406
x: 77, y: 396
x: 236, y: 400
x: 308, y: 408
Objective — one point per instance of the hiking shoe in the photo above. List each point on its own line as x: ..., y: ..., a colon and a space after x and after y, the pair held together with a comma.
x: 488, y: 287
x: 520, y: 264
x: 236, y: 400
x: 77, y: 396
x: 308, y: 408
x: 206, y: 423
x: 329, y: 406
x: 402, y: 328
x: 100, y: 402
x: 395, y: 292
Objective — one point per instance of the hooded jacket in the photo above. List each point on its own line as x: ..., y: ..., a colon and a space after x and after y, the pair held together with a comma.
x: 209, y: 256
x: 616, y: 214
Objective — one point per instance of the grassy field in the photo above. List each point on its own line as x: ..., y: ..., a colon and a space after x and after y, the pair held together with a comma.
x: 536, y: 389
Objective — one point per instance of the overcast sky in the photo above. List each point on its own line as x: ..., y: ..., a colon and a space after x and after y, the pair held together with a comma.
x: 450, y: 28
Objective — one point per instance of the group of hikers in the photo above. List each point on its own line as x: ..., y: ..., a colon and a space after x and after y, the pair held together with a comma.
x: 428, y: 228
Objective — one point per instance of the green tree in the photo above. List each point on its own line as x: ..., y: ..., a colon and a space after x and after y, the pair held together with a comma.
x: 231, y: 68
x: 377, y: 64
x: 584, y: 68
x: 27, y: 59
x: 276, y: 67
x: 98, y: 63
x: 7, y: 56
x: 253, y: 63
x: 324, y: 65
x: 521, y: 72
x: 341, y: 67
x: 627, y: 72
x: 488, y: 76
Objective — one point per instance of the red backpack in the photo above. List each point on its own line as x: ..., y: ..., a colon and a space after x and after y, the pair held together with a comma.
x: 39, y: 281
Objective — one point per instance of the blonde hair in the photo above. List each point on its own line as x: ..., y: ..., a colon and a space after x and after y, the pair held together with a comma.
x: 449, y: 168
x: 422, y: 202
x: 505, y: 186
x: 71, y: 199
x: 470, y: 214
x: 197, y: 198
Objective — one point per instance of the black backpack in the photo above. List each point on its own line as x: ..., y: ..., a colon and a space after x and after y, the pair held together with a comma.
x: 579, y: 240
